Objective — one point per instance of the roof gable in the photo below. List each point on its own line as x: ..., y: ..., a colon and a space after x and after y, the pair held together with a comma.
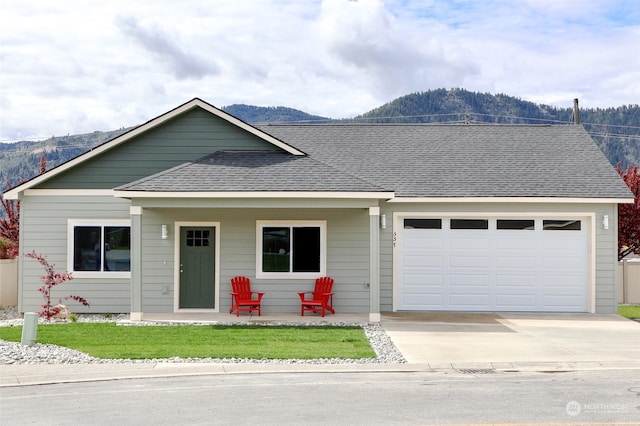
x: 85, y: 160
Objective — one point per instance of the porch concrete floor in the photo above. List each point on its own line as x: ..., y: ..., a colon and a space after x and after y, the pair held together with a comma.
x: 245, y: 318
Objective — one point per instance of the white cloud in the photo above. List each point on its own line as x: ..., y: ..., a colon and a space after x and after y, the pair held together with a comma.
x: 167, y: 52
x: 394, y: 57
x: 72, y: 67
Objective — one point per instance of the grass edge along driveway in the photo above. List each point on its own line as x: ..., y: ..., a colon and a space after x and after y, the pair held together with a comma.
x: 629, y: 311
x: 111, y: 341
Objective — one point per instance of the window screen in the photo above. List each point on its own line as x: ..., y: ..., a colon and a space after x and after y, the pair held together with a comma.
x: 294, y: 249
x: 101, y: 248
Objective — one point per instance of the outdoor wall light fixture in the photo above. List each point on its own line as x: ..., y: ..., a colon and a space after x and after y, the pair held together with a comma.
x: 165, y: 232
x: 383, y: 221
x: 605, y: 221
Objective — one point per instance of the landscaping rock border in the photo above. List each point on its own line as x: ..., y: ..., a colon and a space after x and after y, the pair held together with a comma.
x: 16, y: 353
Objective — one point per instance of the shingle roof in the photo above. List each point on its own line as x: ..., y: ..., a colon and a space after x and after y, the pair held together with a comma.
x: 252, y: 171
x: 409, y: 160
x: 463, y: 160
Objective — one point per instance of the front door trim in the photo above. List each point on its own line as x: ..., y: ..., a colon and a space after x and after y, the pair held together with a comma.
x: 176, y: 263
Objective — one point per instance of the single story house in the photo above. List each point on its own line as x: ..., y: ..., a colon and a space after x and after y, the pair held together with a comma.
x: 404, y: 217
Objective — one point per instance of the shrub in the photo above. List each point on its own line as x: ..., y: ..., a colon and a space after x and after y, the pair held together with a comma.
x: 5, y: 248
x: 50, y: 279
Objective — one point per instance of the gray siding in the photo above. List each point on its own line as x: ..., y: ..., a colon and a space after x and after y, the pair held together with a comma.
x: 185, y: 138
x: 605, y: 242
x: 44, y: 228
x: 347, y: 256
x: 606, y: 260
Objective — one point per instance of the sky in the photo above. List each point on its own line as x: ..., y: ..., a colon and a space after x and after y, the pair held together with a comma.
x: 72, y: 67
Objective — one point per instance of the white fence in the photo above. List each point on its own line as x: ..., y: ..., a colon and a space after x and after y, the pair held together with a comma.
x: 8, y: 282
x: 629, y: 282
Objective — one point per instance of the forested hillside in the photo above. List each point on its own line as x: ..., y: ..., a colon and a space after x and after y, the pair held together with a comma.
x: 21, y: 160
x: 616, y: 130
x: 253, y: 114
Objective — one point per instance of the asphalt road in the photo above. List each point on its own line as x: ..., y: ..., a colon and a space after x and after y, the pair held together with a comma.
x: 581, y: 397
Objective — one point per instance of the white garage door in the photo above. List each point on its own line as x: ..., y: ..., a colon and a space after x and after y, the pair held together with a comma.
x: 492, y: 264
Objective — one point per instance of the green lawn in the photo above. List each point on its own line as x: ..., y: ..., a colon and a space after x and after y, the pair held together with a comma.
x: 629, y: 311
x: 109, y: 341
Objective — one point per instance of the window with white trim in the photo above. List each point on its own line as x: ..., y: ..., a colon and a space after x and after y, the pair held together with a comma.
x: 100, y: 247
x: 290, y: 249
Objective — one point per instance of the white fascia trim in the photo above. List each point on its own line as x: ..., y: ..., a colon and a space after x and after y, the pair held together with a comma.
x: 12, y: 194
x: 554, y: 200
x: 302, y: 194
x: 69, y: 192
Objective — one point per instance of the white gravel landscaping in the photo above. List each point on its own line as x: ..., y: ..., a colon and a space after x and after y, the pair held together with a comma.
x: 16, y: 353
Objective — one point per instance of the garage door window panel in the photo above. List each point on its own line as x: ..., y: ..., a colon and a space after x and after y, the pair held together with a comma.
x: 469, y: 224
x: 561, y: 225
x: 515, y: 225
x: 423, y: 224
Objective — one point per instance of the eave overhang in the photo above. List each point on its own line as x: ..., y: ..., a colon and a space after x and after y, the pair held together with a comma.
x: 254, y: 195
x: 553, y: 200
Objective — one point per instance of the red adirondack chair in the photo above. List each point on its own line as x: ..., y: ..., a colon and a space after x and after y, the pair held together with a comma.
x: 242, y: 296
x: 321, y: 298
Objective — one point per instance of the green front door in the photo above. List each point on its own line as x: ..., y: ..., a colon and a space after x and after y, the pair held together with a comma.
x: 197, y: 267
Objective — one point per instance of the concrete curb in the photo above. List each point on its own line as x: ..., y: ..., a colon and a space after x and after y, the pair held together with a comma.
x: 30, y: 375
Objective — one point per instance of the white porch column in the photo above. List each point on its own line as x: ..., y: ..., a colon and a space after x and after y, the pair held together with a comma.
x: 374, y: 264
x: 136, y: 263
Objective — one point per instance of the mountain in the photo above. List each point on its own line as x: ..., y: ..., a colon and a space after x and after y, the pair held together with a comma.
x: 21, y: 160
x: 280, y: 114
x: 616, y: 130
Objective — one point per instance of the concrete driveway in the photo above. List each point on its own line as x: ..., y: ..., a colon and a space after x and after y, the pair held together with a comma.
x: 445, y: 340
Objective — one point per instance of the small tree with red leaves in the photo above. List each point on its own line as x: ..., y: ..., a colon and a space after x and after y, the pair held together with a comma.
x: 50, y: 279
x: 10, y: 226
x: 10, y: 223
x: 43, y: 164
x: 629, y: 215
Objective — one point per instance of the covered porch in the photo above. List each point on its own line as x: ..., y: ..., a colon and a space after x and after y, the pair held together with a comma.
x: 349, y: 250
